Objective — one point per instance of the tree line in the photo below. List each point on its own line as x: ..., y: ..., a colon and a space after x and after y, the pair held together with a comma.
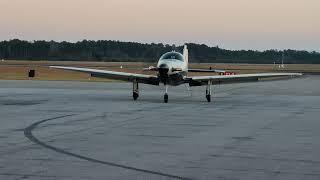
x: 104, y: 50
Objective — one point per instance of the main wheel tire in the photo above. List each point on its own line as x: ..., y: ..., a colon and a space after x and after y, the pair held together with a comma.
x: 166, y: 98
x: 208, y: 96
x: 135, y: 96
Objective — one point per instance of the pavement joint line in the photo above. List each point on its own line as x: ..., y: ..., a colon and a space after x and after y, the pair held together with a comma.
x: 28, y: 133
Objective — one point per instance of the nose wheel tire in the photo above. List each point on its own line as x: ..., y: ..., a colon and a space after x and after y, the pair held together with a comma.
x: 166, y: 97
x: 208, y: 96
x: 135, y: 96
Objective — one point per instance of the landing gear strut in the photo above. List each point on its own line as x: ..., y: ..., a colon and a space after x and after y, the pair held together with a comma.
x: 135, y: 92
x: 208, y: 91
x: 166, y: 97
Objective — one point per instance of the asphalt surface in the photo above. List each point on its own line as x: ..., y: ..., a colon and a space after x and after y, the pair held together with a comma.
x: 87, y: 130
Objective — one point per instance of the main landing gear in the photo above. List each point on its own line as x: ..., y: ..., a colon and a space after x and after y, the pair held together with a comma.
x: 166, y: 97
x: 135, y: 92
x: 208, y: 91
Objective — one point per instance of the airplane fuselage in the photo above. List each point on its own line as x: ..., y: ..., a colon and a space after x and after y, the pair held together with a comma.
x: 172, y: 68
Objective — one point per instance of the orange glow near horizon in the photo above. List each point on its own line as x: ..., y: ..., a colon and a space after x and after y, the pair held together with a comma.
x: 234, y: 24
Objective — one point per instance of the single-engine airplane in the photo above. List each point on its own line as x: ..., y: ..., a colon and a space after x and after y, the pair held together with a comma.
x: 172, y: 69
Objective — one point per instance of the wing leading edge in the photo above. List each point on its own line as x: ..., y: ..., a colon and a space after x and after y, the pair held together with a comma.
x: 141, y: 78
x: 203, y: 80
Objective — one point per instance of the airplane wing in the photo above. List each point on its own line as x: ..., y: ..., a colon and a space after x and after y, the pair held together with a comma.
x: 218, y: 79
x: 130, y: 77
x: 206, y: 70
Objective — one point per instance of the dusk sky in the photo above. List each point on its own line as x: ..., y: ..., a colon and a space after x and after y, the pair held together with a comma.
x: 231, y: 24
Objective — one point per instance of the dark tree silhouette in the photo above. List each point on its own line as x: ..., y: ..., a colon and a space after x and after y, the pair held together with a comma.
x: 101, y: 50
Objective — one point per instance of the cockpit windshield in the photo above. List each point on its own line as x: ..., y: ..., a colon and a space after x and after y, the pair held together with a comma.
x: 172, y: 55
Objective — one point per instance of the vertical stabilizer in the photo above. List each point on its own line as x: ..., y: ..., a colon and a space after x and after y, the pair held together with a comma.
x: 186, y: 55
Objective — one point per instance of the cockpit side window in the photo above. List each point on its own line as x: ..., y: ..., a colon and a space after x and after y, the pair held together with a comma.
x: 172, y: 55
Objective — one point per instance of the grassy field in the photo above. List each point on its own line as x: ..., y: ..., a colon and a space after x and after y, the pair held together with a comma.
x: 18, y: 70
